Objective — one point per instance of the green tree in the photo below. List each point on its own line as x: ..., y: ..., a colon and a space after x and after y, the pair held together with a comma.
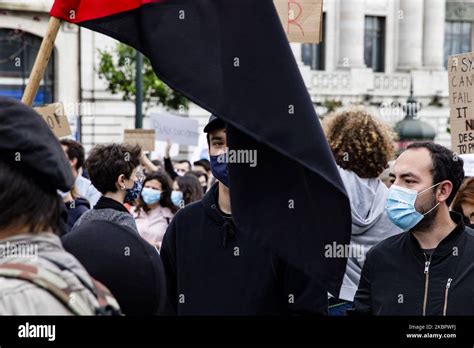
x: 117, y: 67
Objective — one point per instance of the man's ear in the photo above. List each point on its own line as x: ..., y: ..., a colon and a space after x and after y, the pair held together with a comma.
x: 444, y: 190
x: 73, y: 162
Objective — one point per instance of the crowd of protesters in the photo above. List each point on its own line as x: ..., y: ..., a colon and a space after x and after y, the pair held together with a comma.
x: 129, y: 235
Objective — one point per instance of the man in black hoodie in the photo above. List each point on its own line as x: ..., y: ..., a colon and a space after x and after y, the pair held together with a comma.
x: 212, y: 268
x: 427, y: 270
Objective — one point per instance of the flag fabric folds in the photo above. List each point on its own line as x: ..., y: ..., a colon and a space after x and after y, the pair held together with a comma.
x: 232, y: 58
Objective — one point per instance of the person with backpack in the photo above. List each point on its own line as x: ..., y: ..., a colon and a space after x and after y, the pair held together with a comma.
x: 113, y: 170
x: 106, y: 239
x: 37, y: 276
x: 155, y: 208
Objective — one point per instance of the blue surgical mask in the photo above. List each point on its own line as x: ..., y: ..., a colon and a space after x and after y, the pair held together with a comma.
x: 177, y: 198
x: 150, y: 196
x: 400, y: 207
x: 134, y: 192
x: 219, y: 169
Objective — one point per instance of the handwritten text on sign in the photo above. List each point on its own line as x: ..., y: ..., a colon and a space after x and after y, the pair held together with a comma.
x: 55, y: 117
x: 461, y: 96
x: 177, y: 129
x: 301, y: 19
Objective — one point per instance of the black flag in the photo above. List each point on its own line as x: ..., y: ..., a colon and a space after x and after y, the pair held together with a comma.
x: 232, y: 58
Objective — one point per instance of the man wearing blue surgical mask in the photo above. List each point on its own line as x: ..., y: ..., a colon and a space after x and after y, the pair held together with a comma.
x: 214, y: 268
x: 427, y: 270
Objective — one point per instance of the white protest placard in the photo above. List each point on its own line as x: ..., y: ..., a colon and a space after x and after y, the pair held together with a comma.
x: 177, y: 129
x: 468, y: 164
x: 461, y: 97
x: 145, y: 138
x: 55, y: 117
x: 301, y: 19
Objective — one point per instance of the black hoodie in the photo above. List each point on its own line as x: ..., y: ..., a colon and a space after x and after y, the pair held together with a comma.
x: 399, y: 278
x: 212, y: 268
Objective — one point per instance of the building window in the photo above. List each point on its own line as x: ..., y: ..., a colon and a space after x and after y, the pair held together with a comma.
x: 18, y: 50
x: 313, y: 54
x: 457, y: 39
x: 374, y: 43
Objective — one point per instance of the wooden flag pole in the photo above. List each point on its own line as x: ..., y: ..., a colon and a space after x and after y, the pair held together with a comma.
x: 41, y: 61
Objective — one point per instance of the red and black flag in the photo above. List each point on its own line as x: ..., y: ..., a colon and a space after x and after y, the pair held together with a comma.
x: 232, y: 58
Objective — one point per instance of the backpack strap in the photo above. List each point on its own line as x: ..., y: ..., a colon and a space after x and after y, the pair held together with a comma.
x: 48, y: 281
x: 108, y: 305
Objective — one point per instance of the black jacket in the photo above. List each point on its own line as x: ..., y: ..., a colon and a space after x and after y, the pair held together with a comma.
x: 212, y: 268
x: 169, y: 168
x: 398, y: 278
x: 75, y: 209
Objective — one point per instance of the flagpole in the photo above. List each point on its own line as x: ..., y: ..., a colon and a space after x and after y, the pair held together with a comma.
x: 139, y: 91
x: 41, y: 61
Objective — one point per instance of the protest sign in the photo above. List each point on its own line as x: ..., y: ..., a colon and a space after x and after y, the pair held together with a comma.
x: 461, y: 96
x: 301, y: 19
x: 177, y: 129
x: 145, y: 138
x: 54, y: 116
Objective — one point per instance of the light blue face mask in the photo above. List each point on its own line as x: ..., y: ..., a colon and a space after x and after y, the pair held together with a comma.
x: 150, y: 196
x: 177, y: 198
x: 400, y: 207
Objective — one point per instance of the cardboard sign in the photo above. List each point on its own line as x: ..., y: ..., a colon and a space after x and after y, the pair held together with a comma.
x: 301, y: 19
x: 177, y: 129
x: 468, y: 164
x: 461, y: 97
x: 145, y: 138
x: 54, y: 116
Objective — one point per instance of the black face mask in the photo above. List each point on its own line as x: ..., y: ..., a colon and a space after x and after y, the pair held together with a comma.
x: 204, y: 189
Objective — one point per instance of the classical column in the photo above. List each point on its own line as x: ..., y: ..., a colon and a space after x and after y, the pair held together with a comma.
x: 330, y: 35
x: 351, y: 34
x: 433, y: 31
x: 410, y: 50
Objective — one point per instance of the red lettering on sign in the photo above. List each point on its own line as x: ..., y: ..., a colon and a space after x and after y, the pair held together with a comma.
x: 294, y: 21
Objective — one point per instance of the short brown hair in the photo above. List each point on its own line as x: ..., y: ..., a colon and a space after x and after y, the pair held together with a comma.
x: 74, y: 150
x: 107, y: 162
x: 359, y: 142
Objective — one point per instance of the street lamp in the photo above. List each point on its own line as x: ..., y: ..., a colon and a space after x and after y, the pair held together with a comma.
x: 412, y: 129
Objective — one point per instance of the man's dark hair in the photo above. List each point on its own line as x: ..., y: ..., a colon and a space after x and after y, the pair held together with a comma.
x: 198, y: 174
x: 185, y: 161
x: 446, y: 165
x: 74, y: 150
x: 107, y: 162
x: 203, y: 163
x: 24, y: 202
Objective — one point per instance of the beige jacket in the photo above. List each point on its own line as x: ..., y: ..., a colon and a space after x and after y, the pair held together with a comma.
x: 20, y: 297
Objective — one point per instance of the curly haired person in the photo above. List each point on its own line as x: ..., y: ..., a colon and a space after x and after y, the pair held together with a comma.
x: 362, y: 147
